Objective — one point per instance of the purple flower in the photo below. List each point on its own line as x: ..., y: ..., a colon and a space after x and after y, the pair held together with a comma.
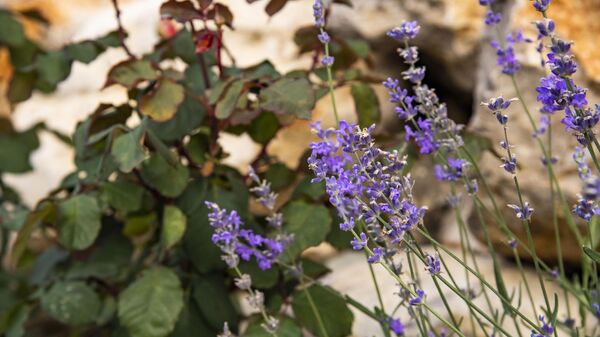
x: 418, y: 299
x: 547, y: 329
x: 497, y: 104
x: 506, y: 58
x: 581, y: 122
x: 586, y: 209
x: 451, y: 172
x: 509, y: 165
x: 433, y: 264
x: 408, y: 30
x: 423, y: 136
x: 541, y: 5
x: 522, y: 213
x: 492, y: 18
x: 324, y: 37
x: 545, y: 28
x: 376, y: 257
x: 596, y: 309
x: 486, y: 2
x: 414, y: 74
x: 396, y: 326
x: 512, y: 243
x: 239, y: 243
x: 327, y: 61
x: 318, y: 14
x: 364, y: 182
x: 591, y: 188
x: 359, y: 243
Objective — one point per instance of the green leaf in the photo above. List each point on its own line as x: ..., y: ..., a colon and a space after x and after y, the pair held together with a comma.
x: 173, y: 227
x: 212, y: 298
x: 73, y: 303
x: 138, y: 225
x: 308, y: 223
x: 79, y: 221
x: 122, y: 195
x: 287, y: 328
x: 127, y: 149
x: 314, y: 191
x: 16, y: 149
x: 150, y: 306
x: 169, y: 180
x: 163, y: 101
x: 594, y: 255
x: 45, y: 263
x: 84, y: 52
x: 16, y: 327
x: 110, y: 259
x: 359, y: 47
x: 331, y: 306
x: 188, y: 117
x: 131, y: 72
x: 366, y: 104
x: 32, y: 221
x: 292, y: 96
x: 21, y: 86
x: 264, y: 127
x: 261, y: 279
x: 52, y: 67
x: 191, y: 323
x: 226, y: 104
x: 279, y: 176
x: 12, y: 31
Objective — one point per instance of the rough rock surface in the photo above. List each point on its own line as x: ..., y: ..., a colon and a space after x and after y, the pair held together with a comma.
x: 532, y: 174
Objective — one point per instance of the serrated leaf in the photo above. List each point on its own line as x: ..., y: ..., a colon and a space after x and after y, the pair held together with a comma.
x: 308, y: 223
x: 173, y: 226
x: 150, y: 306
x: 131, y: 72
x: 228, y: 101
x: 79, y: 221
x: 73, y: 303
x: 122, y: 195
x: 292, y: 96
x: 169, y: 180
x: 127, y: 149
x: 366, y: 104
x: 335, y: 315
x: 164, y: 100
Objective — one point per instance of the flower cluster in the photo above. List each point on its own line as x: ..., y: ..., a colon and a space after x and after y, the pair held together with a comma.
x: 365, y: 183
x: 396, y: 326
x: 557, y: 91
x: 319, y: 16
x: 238, y: 243
x: 433, y: 130
x: 586, y: 207
x: 450, y: 172
x: 505, y: 52
x: 522, y: 212
x: 547, y: 329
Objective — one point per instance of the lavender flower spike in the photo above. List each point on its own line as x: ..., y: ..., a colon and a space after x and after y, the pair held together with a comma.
x: 522, y: 213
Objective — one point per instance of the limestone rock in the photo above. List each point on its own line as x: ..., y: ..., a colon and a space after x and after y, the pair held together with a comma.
x: 532, y: 174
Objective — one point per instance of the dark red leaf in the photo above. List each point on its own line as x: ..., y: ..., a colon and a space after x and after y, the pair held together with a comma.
x: 182, y: 11
x: 275, y: 6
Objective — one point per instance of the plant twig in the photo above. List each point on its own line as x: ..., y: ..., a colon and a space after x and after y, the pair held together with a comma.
x: 122, y: 33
